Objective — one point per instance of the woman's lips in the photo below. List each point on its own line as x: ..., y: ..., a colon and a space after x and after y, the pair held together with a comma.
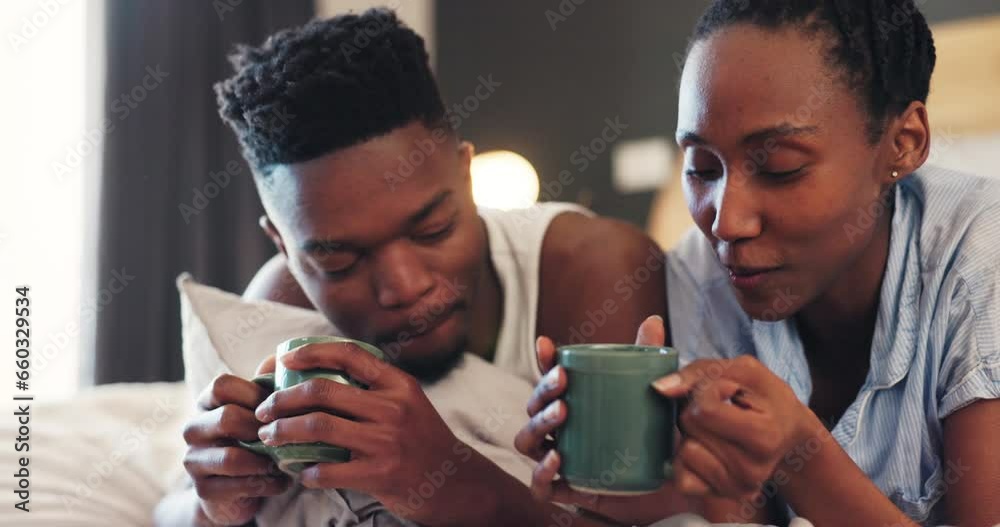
x: 749, y: 278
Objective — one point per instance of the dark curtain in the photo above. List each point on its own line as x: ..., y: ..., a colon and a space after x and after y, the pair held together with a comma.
x: 176, y: 195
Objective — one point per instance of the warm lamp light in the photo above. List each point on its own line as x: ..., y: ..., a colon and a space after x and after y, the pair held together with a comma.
x: 503, y: 180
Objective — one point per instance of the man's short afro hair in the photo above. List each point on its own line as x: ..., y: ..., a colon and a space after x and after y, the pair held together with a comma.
x: 328, y: 85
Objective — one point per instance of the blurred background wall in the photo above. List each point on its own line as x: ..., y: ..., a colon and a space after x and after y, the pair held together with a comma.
x: 584, y: 90
x: 567, y: 65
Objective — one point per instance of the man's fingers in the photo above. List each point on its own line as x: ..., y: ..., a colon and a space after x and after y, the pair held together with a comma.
x: 345, y: 356
x: 319, y: 427
x: 232, y: 461
x: 542, y: 476
x: 320, y: 394
x: 223, y: 423
x: 545, y: 354
x: 267, y: 366
x: 530, y: 440
x: 229, y: 489
x: 552, y: 385
x: 230, y: 389
x: 651, y: 332
x: 355, y: 474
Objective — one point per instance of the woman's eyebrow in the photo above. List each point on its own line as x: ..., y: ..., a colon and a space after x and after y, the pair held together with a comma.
x: 763, y: 134
x: 781, y: 130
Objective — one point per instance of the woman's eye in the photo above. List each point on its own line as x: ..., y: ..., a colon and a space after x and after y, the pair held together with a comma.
x: 435, y: 234
x: 777, y: 174
x: 706, y: 175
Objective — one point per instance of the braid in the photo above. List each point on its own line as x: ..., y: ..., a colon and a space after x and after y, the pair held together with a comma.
x: 883, y: 48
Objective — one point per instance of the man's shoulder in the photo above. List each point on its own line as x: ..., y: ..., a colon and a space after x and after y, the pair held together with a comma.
x: 602, y: 267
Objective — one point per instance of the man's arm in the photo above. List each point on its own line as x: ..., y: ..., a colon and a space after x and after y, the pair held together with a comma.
x: 599, y: 279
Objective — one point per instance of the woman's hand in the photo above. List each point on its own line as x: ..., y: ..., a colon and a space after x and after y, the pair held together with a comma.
x: 740, y: 422
x: 548, y: 413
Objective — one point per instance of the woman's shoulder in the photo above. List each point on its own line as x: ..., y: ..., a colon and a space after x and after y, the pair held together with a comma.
x: 958, y: 220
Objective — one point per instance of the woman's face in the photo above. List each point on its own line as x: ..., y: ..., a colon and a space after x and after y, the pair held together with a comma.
x: 779, y: 174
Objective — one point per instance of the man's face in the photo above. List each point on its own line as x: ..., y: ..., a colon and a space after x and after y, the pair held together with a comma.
x: 384, y: 239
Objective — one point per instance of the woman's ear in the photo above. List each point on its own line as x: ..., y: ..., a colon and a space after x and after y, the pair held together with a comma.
x: 911, y: 139
x: 272, y: 232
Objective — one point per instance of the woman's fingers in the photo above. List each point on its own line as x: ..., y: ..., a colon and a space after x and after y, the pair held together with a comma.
x: 651, y: 332
x: 688, y: 482
x: 545, y: 354
x: 542, y: 476
x: 531, y: 440
x: 552, y: 385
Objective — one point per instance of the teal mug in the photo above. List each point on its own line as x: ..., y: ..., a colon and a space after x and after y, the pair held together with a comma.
x: 293, y: 458
x: 619, y: 432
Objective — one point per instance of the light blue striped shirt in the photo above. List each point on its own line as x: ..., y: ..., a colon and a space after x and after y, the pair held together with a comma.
x: 936, y: 346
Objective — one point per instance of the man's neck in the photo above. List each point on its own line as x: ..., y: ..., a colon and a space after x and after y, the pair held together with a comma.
x: 487, y: 308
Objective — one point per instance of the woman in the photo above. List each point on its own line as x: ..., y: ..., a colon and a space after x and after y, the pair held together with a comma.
x: 842, y: 299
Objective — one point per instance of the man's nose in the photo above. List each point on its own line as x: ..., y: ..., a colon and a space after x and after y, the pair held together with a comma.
x: 401, y: 277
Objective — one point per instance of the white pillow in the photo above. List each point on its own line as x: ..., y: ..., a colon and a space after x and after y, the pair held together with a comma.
x: 223, y: 333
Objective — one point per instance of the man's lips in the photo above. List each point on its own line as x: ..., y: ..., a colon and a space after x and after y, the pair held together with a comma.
x: 421, y: 323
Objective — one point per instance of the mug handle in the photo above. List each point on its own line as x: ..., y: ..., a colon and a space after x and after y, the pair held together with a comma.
x: 265, y: 380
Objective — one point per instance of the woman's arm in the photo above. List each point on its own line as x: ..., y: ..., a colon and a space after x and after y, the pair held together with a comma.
x: 823, y: 485
x: 972, y: 464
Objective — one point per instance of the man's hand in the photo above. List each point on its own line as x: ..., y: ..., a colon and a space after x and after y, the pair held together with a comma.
x: 230, y: 481
x: 399, y: 445
x: 548, y: 413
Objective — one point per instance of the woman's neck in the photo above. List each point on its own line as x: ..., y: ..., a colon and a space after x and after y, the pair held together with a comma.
x: 840, y: 323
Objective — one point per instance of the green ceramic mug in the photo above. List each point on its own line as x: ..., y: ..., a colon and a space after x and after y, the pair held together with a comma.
x: 293, y: 458
x: 619, y: 433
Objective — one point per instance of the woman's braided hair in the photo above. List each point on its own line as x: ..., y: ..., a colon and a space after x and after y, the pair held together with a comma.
x: 884, y: 48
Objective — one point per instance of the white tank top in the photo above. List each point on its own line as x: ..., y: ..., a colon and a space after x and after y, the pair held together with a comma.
x: 515, y: 242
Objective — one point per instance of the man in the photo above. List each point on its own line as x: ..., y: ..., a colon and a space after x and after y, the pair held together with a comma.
x: 368, y: 199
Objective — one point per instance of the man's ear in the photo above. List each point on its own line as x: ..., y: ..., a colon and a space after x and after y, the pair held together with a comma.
x: 466, y: 151
x: 911, y: 140
x: 272, y: 232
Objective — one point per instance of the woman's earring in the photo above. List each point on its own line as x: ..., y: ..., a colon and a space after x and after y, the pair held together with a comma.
x: 895, y: 174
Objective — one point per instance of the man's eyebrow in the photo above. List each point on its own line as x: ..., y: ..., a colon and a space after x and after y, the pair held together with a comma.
x: 781, y: 130
x: 313, y: 246
x: 429, y: 207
